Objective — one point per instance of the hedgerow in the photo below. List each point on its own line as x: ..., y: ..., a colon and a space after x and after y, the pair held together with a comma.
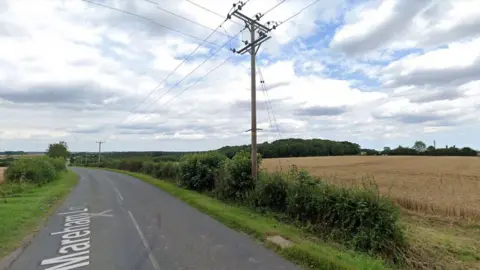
x: 38, y: 170
x: 359, y: 218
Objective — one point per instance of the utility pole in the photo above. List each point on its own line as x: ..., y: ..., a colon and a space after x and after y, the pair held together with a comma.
x: 252, y: 47
x: 86, y: 159
x: 99, y: 149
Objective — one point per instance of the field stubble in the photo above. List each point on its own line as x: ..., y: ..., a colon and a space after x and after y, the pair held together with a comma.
x: 434, y: 185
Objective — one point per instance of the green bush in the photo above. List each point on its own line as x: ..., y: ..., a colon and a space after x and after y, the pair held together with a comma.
x: 131, y: 165
x: 165, y: 170
x: 5, y: 162
x: 271, y: 192
x: 148, y: 167
x: 360, y: 218
x: 58, y: 163
x: 197, y: 171
x: 31, y: 170
x: 234, y: 181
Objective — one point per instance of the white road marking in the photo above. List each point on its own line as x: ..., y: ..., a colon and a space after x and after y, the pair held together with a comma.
x: 75, y: 241
x: 145, y: 243
x: 102, y: 214
x: 119, y: 195
x: 73, y: 212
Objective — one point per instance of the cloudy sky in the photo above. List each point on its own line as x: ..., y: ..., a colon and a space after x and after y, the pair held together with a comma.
x: 378, y: 73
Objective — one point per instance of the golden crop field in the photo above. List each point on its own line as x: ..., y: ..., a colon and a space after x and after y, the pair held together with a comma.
x: 440, y: 185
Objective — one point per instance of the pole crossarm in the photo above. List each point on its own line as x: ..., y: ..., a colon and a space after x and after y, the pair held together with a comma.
x: 250, y: 21
x: 252, y: 25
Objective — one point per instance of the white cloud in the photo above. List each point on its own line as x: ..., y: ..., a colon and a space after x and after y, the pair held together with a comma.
x: 404, y: 24
x: 458, y: 63
x: 74, y: 71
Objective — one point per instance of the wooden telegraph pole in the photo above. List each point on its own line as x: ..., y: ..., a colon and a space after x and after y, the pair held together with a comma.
x: 252, y: 47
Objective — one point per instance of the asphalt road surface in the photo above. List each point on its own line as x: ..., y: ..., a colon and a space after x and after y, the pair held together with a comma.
x: 113, y: 221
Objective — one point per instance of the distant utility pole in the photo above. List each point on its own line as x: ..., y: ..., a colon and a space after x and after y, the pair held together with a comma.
x: 252, y: 47
x: 86, y: 158
x: 99, y: 149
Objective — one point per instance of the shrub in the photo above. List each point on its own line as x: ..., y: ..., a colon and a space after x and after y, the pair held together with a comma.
x: 197, y: 171
x: 58, y: 164
x: 148, y: 167
x: 131, y: 165
x: 4, y: 162
x: 165, y: 170
x: 235, y: 179
x: 360, y: 218
x: 36, y: 170
x: 271, y: 191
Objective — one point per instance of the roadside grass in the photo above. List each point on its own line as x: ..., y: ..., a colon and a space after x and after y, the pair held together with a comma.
x: 307, y: 251
x: 442, y: 242
x: 24, y: 206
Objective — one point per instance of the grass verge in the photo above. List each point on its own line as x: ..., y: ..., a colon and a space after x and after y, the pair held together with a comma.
x: 306, y: 250
x: 439, y: 242
x: 24, y: 206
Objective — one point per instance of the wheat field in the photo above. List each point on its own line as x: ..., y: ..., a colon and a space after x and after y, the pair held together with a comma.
x: 438, y: 185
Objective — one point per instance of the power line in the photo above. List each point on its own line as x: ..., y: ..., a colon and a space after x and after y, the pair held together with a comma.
x: 272, y: 8
x: 196, y: 68
x: 187, y: 19
x: 174, y: 70
x: 300, y: 11
x: 211, y: 11
x: 203, y: 77
x: 149, y: 20
x: 269, y: 104
x: 166, y: 78
x: 220, y: 47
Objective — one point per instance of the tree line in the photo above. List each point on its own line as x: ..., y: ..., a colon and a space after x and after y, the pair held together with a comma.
x: 290, y: 148
x: 419, y: 148
x: 297, y: 148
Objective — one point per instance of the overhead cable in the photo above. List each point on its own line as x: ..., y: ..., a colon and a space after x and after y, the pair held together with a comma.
x: 211, y: 11
x: 272, y: 8
x: 196, y: 68
x: 147, y: 19
x: 300, y: 11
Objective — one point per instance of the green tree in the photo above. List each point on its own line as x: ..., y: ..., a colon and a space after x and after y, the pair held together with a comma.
x: 58, y: 150
x: 420, y: 146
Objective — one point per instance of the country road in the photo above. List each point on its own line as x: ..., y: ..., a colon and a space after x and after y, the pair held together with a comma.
x: 113, y: 221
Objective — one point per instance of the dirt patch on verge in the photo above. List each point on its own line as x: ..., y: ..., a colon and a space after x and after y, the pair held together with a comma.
x: 2, y: 170
x: 280, y: 241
